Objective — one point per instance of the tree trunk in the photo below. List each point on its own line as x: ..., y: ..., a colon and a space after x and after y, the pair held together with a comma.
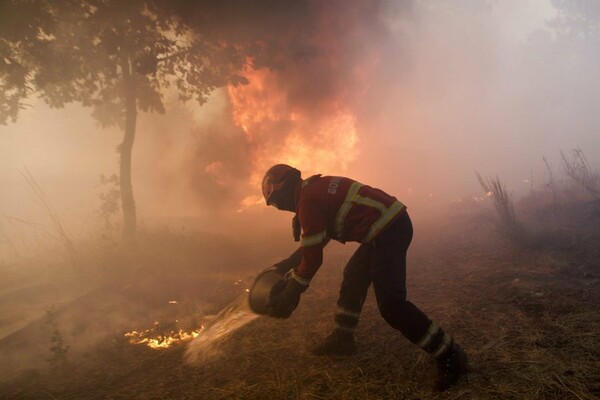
x: 127, y: 200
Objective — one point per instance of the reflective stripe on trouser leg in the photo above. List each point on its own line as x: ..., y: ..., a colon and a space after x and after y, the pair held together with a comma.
x: 389, y: 280
x: 346, y: 320
x: 353, y: 290
x: 435, y: 341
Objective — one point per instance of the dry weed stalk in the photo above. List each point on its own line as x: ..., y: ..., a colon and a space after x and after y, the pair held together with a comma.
x: 551, y: 181
x: 8, y: 241
x: 505, y: 212
x: 577, y: 168
x: 67, y: 242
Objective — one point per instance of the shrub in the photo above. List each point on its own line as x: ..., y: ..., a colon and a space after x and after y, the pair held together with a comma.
x: 505, y: 218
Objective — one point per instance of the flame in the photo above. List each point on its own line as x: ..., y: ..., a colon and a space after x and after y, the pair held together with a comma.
x: 280, y: 132
x: 156, y: 341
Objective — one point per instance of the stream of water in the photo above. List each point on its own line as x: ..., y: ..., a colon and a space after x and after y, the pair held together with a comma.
x: 208, y: 344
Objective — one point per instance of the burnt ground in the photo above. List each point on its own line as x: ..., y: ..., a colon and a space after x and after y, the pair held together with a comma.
x: 527, y: 313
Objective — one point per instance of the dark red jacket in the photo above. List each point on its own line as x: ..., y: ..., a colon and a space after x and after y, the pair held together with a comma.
x: 333, y: 207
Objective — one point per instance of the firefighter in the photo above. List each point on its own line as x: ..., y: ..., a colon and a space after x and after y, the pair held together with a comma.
x: 338, y: 208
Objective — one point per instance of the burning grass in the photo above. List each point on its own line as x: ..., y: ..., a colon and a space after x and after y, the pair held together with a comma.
x: 149, y: 337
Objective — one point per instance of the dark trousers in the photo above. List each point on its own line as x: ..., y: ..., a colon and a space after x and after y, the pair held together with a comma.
x: 382, y: 263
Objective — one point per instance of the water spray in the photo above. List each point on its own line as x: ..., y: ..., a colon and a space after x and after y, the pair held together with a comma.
x: 243, y: 310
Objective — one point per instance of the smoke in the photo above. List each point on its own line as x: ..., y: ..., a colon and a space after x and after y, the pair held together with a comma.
x: 303, y: 111
x: 408, y: 96
x: 488, y: 86
x: 218, y: 167
x: 415, y: 96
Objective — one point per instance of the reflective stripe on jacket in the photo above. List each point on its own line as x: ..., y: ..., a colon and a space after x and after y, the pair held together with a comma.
x: 333, y: 207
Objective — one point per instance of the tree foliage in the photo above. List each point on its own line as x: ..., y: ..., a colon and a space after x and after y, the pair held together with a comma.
x: 77, y: 51
x: 80, y: 51
x: 118, y: 57
x: 21, y: 28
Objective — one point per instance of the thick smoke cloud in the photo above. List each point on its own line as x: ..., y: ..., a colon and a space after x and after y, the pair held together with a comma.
x: 303, y: 110
x: 218, y: 167
x: 425, y: 92
x: 436, y: 91
x: 470, y: 85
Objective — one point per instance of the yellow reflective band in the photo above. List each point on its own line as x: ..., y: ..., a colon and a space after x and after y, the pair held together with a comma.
x: 433, y: 329
x: 314, y: 239
x: 366, y: 201
x: 383, y: 220
x: 299, y: 279
x: 446, y: 342
x: 345, y: 311
x: 345, y: 209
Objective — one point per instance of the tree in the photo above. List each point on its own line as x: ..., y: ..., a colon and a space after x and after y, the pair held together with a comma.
x: 20, y: 26
x: 118, y: 56
x: 577, y: 20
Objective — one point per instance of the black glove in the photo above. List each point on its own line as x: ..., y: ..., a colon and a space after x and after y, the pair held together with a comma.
x: 289, y: 263
x: 285, y: 302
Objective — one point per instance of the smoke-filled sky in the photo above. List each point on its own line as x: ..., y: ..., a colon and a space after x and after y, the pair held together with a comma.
x: 409, y: 96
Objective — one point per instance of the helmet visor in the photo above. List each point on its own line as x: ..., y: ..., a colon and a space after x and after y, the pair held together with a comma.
x: 269, y: 187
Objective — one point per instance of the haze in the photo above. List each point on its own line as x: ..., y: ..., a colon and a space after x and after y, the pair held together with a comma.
x: 109, y: 285
x: 432, y: 92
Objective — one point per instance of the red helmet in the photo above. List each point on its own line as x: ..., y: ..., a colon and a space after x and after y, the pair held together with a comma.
x: 275, y: 178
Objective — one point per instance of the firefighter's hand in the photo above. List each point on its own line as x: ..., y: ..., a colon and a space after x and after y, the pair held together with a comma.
x: 284, y: 266
x: 285, y: 302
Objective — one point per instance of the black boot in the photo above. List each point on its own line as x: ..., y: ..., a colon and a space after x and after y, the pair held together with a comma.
x: 450, y: 367
x: 338, y: 343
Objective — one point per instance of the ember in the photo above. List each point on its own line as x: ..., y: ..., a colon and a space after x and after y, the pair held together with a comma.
x: 150, y: 338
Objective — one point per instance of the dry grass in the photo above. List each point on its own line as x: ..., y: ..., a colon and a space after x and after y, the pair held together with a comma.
x: 528, y: 319
x: 506, y: 220
x: 577, y: 168
x: 54, y: 217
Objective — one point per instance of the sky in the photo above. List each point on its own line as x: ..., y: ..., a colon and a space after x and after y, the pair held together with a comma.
x: 411, y: 97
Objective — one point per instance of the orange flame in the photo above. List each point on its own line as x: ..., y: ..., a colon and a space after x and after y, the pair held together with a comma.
x: 155, y: 341
x: 280, y: 132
